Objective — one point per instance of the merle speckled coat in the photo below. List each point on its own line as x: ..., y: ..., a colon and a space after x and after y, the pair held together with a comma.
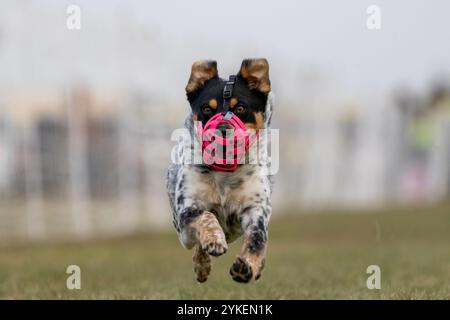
x: 234, y: 204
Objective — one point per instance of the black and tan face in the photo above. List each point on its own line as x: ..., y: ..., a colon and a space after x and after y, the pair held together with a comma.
x: 204, y: 92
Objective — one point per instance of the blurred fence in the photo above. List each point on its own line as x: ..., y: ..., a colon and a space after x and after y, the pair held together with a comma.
x: 366, y: 154
x: 85, y: 168
x: 85, y: 163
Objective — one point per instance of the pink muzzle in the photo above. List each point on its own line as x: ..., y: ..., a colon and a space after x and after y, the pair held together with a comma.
x: 225, y: 151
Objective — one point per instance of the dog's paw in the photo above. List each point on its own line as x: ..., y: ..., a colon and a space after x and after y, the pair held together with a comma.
x: 202, y: 272
x: 215, y: 244
x: 241, y: 271
x: 216, y: 248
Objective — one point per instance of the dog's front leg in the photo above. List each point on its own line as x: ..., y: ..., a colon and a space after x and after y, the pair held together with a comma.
x: 202, y: 229
x: 249, y: 265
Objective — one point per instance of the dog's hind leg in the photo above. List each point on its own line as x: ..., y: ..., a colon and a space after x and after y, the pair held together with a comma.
x: 202, y: 264
x: 249, y: 265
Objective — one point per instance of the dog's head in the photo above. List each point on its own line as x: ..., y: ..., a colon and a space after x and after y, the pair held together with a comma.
x: 249, y: 97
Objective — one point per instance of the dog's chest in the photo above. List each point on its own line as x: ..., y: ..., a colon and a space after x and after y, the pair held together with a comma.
x: 226, y: 194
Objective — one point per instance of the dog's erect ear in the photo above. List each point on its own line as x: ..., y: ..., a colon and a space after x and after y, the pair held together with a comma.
x: 256, y: 72
x: 201, y: 72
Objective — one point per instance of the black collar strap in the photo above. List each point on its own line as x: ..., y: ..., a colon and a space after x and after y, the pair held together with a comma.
x: 228, y: 92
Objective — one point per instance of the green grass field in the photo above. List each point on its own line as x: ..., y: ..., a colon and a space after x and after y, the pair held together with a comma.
x: 315, y: 256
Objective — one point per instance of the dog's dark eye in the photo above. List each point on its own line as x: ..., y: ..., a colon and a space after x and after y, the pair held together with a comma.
x: 240, y: 109
x: 207, y: 110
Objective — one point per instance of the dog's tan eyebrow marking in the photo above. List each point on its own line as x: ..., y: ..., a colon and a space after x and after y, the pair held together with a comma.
x: 259, y: 122
x: 233, y: 102
x: 213, y: 103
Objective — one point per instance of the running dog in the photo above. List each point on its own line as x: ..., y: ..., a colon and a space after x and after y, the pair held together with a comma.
x: 215, y: 202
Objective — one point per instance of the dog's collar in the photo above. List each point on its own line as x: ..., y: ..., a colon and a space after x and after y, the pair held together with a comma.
x: 228, y: 92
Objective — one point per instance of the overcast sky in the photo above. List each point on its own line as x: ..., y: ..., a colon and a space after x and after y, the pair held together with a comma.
x: 298, y: 37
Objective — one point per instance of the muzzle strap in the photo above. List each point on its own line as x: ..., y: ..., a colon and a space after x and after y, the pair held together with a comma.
x: 228, y: 92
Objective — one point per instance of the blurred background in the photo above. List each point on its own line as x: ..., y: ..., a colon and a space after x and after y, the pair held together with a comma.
x: 86, y: 115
